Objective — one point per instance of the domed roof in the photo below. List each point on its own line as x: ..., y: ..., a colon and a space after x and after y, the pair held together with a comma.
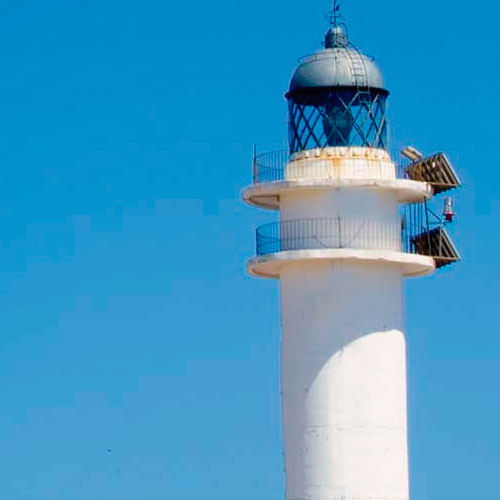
x: 338, y: 65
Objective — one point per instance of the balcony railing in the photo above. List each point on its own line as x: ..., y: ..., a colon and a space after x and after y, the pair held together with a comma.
x: 270, y: 166
x: 367, y: 234
x: 273, y: 166
x: 338, y: 232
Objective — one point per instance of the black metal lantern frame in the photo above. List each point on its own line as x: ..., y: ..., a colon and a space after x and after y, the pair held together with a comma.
x: 320, y: 118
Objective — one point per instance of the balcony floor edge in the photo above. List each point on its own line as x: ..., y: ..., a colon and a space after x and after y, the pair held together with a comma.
x: 269, y: 266
x: 267, y: 194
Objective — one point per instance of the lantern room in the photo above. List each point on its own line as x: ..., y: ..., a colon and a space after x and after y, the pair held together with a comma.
x: 337, y: 98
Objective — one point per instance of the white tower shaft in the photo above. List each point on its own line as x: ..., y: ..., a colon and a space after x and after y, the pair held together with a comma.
x: 344, y: 382
x: 343, y: 351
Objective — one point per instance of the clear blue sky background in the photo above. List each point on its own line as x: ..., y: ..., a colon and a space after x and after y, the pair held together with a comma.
x: 126, y: 319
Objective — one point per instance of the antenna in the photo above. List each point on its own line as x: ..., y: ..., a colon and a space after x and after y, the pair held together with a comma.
x: 334, y: 16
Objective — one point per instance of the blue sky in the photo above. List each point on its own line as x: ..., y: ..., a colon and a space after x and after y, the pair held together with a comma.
x: 137, y: 360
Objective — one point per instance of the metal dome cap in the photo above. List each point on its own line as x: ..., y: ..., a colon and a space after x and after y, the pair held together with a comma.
x: 340, y: 64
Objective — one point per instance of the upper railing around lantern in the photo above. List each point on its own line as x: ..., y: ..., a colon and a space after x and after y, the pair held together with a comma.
x: 280, y: 165
x: 270, y: 166
x: 275, y: 166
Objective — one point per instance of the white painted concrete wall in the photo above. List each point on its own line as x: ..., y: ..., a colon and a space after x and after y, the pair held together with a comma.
x: 367, y: 165
x: 344, y: 382
x: 343, y: 217
x: 343, y: 350
x: 344, y: 202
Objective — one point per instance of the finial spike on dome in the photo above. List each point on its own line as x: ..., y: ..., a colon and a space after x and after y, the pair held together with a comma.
x: 335, y: 15
x: 336, y: 35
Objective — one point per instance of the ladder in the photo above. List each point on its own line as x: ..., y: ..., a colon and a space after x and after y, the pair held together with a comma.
x: 359, y: 71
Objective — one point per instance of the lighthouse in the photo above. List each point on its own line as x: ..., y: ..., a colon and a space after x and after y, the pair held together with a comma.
x: 353, y: 223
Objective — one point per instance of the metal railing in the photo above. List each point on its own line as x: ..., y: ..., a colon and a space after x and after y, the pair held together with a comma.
x: 270, y: 166
x: 423, y: 232
x: 407, y: 235
x: 273, y: 166
x: 333, y: 233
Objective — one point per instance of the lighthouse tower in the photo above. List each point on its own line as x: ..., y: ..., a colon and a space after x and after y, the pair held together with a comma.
x: 353, y: 224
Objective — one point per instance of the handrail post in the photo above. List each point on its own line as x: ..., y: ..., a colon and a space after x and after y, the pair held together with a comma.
x: 428, y: 229
x: 254, y: 164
